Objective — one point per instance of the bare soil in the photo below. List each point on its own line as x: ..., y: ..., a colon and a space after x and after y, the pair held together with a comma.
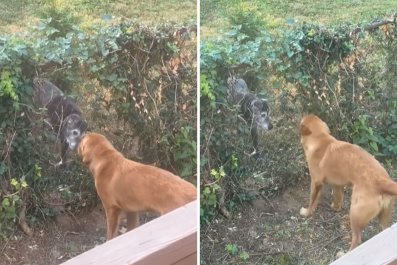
x: 56, y: 242
x: 271, y: 231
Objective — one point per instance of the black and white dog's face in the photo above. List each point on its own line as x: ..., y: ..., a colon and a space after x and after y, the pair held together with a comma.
x: 260, y: 114
x: 73, y: 130
x: 255, y: 109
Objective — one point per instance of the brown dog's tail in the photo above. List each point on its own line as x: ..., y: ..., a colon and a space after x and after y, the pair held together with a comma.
x: 388, y: 186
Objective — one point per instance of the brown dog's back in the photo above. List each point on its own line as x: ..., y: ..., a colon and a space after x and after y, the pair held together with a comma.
x: 162, y: 190
x: 134, y: 186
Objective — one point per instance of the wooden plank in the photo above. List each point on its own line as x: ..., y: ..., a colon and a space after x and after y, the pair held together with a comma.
x: 379, y: 250
x: 189, y: 260
x: 169, y: 239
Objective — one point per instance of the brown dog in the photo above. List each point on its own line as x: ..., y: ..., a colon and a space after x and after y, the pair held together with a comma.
x: 125, y: 185
x: 340, y: 164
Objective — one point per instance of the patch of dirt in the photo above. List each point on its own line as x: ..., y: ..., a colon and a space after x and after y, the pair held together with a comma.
x: 58, y: 241
x: 271, y: 231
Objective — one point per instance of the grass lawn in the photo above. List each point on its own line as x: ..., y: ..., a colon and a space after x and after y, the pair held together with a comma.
x: 16, y: 14
x: 214, y: 14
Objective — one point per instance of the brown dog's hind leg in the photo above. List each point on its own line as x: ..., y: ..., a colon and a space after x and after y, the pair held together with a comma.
x: 112, y: 219
x: 315, y: 194
x: 132, y: 220
x: 386, y: 213
x: 337, y: 197
x: 362, y: 211
x: 356, y: 235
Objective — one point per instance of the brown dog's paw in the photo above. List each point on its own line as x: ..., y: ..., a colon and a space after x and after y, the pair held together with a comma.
x: 304, y: 212
x: 340, y: 254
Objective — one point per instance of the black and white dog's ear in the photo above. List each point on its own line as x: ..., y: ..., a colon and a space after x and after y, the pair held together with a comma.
x: 265, y: 106
x: 254, y: 104
x: 260, y: 104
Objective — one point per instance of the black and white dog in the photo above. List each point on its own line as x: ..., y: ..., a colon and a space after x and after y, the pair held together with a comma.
x: 255, y: 110
x: 65, y: 116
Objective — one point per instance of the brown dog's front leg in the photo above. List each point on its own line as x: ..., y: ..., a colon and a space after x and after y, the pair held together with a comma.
x: 315, y: 193
x: 112, y: 219
x: 132, y: 220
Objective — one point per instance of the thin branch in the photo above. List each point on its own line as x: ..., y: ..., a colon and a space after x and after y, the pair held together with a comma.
x: 9, y: 146
x: 373, y: 26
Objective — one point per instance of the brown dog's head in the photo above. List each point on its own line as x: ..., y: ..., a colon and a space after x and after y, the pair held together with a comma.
x: 82, y: 144
x: 91, y: 144
x: 311, y: 124
x: 87, y: 142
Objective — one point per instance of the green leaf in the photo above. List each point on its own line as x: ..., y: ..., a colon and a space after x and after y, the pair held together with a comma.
x: 5, y: 203
x: 14, y: 182
x: 187, y: 171
x: 212, y: 200
x: 214, y: 172
x: 374, y: 146
x: 244, y: 256
x: 231, y: 248
x: 111, y: 77
x: 10, y: 212
x: 24, y: 184
x: 3, y: 168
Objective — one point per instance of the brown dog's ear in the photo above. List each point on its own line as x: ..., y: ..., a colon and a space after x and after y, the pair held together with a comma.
x: 80, y: 148
x: 81, y: 152
x: 305, y: 130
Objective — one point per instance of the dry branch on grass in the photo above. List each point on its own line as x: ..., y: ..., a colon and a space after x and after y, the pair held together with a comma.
x: 374, y: 25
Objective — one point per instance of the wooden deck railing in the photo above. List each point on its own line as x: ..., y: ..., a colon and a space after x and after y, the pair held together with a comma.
x: 169, y: 239
x: 379, y: 250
